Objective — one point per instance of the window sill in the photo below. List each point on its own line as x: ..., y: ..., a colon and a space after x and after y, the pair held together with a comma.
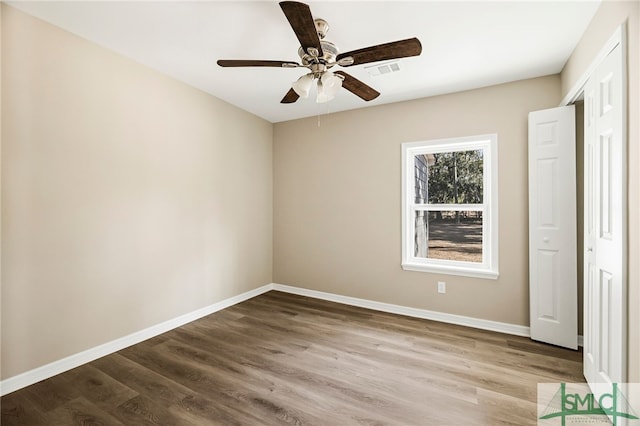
x: 452, y: 270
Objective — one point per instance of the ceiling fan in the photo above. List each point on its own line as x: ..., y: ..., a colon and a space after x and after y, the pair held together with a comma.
x: 320, y: 55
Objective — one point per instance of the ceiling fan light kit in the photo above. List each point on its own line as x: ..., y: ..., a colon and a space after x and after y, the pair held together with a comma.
x: 327, y: 86
x: 303, y: 85
x: 320, y: 55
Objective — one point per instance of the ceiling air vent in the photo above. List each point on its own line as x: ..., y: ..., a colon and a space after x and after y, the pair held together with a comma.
x: 381, y: 69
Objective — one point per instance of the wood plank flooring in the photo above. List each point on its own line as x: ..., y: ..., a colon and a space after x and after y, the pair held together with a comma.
x: 284, y: 359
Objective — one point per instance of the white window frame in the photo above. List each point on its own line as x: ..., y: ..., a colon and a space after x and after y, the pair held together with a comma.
x: 489, y: 266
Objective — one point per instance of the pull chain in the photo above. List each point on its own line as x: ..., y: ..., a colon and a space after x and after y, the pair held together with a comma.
x: 319, y: 114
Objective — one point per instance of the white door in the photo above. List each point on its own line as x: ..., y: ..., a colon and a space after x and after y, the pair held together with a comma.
x: 605, y: 280
x: 553, y: 294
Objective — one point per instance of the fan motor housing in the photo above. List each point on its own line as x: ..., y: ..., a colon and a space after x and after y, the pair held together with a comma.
x: 329, y: 50
x: 329, y: 53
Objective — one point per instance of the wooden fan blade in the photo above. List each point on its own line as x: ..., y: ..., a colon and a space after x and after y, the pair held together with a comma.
x: 301, y: 20
x: 357, y: 87
x: 383, y: 52
x: 251, y: 63
x: 290, y: 97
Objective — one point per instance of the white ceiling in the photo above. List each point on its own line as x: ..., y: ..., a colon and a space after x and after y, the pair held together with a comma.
x: 465, y: 44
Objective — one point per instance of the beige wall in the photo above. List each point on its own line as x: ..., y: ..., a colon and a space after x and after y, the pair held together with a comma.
x: 608, y: 17
x: 128, y: 198
x: 337, y: 199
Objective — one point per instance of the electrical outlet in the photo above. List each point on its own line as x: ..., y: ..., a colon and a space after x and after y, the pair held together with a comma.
x: 442, y: 287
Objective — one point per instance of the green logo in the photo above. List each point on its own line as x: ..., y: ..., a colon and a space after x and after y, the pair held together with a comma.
x: 588, y: 406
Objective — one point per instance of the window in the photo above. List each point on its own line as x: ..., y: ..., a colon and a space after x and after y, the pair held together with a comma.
x: 450, y: 206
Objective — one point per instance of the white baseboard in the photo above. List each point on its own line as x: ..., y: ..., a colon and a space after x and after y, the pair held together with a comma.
x: 46, y: 371
x: 500, y: 327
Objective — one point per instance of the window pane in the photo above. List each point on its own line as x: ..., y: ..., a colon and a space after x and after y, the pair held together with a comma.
x: 455, y: 177
x: 421, y: 244
x: 449, y: 235
x: 422, y: 163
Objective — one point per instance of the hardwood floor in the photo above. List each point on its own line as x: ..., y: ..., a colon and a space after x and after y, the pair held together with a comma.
x: 285, y: 359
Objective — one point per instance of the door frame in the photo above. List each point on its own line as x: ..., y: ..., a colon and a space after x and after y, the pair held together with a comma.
x: 617, y: 38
